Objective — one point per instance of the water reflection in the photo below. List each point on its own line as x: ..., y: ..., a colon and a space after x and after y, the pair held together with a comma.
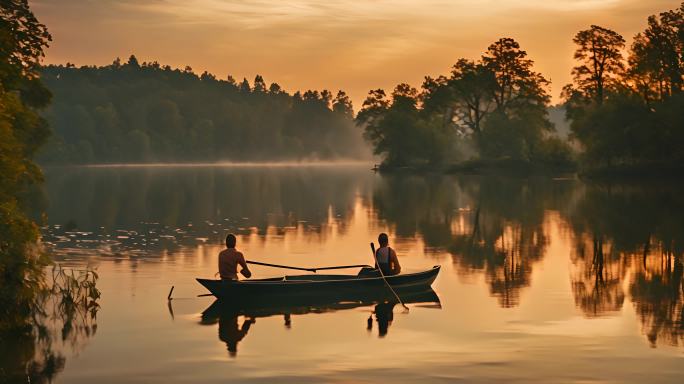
x: 234, y: 322
x: 596, y: 277
x: 492, y: 225
x: 625, y: 240
x: 229, y: 330
x: 623, y: 234
x: 146, y: 211
x: 62, y: 316
x: 636, y: 235
x: 384, y: 315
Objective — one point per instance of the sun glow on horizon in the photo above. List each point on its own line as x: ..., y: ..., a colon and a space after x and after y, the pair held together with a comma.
x: 350, y: 44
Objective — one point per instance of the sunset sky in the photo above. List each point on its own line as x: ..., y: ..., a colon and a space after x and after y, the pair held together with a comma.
x: 354, y: 45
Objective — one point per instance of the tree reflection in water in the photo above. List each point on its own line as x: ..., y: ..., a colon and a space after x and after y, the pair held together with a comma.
x: 489, y: 224
x: 658, y: 292
x: 623, y: 235
x: 61, y: 315
x: 638, y: 237
x: 596, y: 277
x: 150, y: 210
x: 625, y: 239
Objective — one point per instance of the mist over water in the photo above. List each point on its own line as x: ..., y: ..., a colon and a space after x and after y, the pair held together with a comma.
x: 236, y: 164
x: 537, y: 274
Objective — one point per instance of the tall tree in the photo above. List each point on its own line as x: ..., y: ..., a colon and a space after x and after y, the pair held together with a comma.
x: 342, y: 104
x: 244, y: 86
x: 599, y: 51
x: 22, y: 131
x: 630, y: 116
x: 22, y: 40
x: 259, y: 84
x: 473, y: 86
x: 657, y: 56
x: 382, y: 128
x: 373, y: 107
x: 515, y: 83
x: 518, y: 128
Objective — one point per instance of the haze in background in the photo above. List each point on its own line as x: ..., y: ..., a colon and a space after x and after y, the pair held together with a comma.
x: 349, y: 44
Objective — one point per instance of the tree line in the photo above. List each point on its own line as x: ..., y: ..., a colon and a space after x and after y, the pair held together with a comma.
x: 143, y: 112
x: 622, y: 111
x: 626, y: 110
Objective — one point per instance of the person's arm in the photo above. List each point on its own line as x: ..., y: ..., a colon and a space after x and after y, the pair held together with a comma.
x: 394, y: 261
x: 219, y: 266
x: 245, y: 270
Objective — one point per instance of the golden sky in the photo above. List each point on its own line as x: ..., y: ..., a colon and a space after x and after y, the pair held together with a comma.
x: 355, y: 45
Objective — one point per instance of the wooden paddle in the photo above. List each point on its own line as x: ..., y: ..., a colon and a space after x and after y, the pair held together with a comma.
x: 375, y: 257
x: 305, y: 269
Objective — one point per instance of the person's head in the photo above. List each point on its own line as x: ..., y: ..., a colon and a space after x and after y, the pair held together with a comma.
x: 383, y: 240
x: 231, y: 240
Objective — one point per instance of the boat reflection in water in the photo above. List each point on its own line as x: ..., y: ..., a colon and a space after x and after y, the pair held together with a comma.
x: 231, y: 332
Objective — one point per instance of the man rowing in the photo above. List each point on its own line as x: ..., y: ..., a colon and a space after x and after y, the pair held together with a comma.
x: 230, y: 258
x: 385, y: 257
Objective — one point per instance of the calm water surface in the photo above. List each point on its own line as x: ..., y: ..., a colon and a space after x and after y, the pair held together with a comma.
x: 543, y: 280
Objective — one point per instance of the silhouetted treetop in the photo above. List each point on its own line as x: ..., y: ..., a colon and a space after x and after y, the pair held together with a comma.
x: 497, y: 103
x: 599, y: 52
x: 628, y: 114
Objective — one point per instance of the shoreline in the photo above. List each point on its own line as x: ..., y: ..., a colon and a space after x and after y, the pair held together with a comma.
x: 524, y: 168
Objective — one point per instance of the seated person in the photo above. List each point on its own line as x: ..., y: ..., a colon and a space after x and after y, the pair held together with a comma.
x: 385, y: 257
x: 229, y: 259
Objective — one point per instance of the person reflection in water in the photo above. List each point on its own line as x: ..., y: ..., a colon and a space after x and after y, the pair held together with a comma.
x: 229, y: 259
x: 231, y: 334
x: 384, y: 314
x: 385, y: 257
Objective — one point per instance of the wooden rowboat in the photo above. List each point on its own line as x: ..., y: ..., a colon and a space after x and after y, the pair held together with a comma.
x: 330, y: 288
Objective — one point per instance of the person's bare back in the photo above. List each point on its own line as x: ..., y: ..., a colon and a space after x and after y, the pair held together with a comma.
x: 229, y: 259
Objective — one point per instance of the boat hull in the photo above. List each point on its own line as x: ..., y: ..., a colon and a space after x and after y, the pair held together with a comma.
x: 333, y: 288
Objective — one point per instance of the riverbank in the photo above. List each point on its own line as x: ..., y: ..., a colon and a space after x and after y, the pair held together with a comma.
x: 524, y: 168
x: 486, y: 166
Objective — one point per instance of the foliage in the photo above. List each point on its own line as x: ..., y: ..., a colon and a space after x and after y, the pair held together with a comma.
x: 599, y: 51
x: 516, y: 86
x: 22, y: 131
x: 629, y: 113
x: 62, y: 311
x: 498, y: 102
x: 25, y: 291
x: 399, y: 131
x: 135, y: 112
x: 657, y: 57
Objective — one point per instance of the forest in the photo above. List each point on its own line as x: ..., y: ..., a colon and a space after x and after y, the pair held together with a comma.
x: 624, y: 107
x: 148, y: 112
x: 623, y: 110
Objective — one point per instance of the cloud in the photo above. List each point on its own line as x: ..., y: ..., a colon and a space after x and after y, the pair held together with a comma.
x: 351, y: 44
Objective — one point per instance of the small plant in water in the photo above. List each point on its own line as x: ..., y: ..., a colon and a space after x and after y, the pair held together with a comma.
x: 70, y: 298
x: 62, y: 313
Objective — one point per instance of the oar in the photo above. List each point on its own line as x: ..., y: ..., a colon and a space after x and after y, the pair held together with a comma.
x: 281, y: 266
x: 375, y: 257
x: 343, y: 267
x: 305, y: 269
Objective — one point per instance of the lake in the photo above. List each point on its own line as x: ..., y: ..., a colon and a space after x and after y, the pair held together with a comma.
x: 543, y: 279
